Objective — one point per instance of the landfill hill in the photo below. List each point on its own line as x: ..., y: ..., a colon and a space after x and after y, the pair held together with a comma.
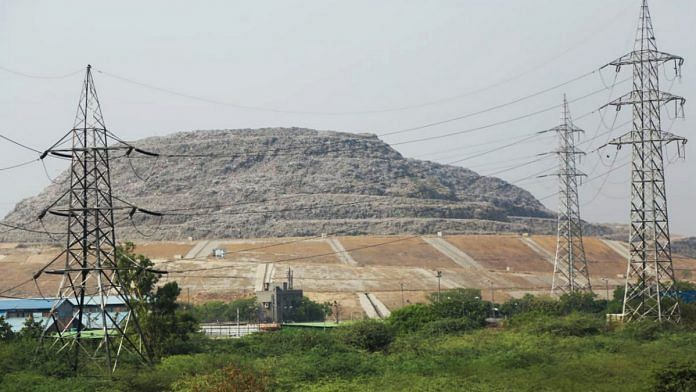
x: 290, y: 182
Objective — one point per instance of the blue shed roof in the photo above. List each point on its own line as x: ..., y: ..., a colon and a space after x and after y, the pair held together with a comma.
x: 28, y: 304
x: 47, y: 303
x: 95, y: 300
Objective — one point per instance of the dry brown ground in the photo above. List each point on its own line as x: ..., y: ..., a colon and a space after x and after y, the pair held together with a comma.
x: 411, y: 252
x: 383, y: 268
x: 280, y: 250
x: 600, y: 257
x: 163, y: 250
x: 498, y: 252
x: 18, y: 265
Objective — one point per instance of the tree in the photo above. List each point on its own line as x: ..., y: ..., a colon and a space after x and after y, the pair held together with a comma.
x: 32, y: 329
x: 461, y: 303
x: 135, y: 272
x: 370, y: 335
x: 215, y: 311
x: 411, y: 318
x: 531, y: 304
x: 5, y: 330
x: 307, y: 310
x: 167, y: 329
x: 164, y: 325
x: 581, y: 302
x: 676, y: 377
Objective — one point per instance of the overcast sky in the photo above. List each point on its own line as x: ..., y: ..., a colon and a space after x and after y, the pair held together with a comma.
x: 355, y: 66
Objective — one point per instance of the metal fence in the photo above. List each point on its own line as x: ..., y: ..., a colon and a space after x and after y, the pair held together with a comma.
x: 228, y: 330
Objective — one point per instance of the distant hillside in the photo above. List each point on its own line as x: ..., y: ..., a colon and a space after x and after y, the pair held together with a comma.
x: 317, y: 181
x: 685, y: 246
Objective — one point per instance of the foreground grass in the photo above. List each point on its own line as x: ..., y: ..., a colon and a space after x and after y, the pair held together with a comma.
x: 482, y: 360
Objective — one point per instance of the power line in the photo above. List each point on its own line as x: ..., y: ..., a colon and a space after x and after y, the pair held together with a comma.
x: 490, y: 125
x: 19, y: 165
x: 491, y: 108
x: 338, y: 113
x: 20, y: 144
x: 14, y: 288
x: 14, y: 227
x: 32, y: 76
x: 307, y: 149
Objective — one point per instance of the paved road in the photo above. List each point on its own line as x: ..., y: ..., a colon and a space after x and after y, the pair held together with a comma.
x: 367, y: 306
x: 533, y: 245
x: 341, y: 252
x: 196, y: 250
x: 451, y: 251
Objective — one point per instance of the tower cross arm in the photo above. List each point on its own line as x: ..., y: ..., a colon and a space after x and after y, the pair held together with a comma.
x: 637, y: 97
x: 645, y: 55
x: 568, y: 152
x: 564, y: 173
x: 632, y: 138
x: 563, y: 128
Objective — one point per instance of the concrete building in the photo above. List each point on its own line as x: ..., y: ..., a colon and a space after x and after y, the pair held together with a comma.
x: 277, y: 303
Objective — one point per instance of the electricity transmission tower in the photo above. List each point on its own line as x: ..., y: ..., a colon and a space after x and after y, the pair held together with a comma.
x: 650, y: 284
x: 570, y: 273
x: 91, y: 273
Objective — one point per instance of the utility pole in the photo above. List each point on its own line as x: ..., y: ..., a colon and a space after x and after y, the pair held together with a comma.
x: 490, y: 285
x: 336, y: 307
x: 650, y: 284
x: 402, y: 294
x: 570, y: 273
x: 606, y: 287
x: 439, y: 276
x: 92, y: 273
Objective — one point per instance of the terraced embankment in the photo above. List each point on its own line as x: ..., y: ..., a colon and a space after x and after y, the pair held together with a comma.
x: 368, y: 276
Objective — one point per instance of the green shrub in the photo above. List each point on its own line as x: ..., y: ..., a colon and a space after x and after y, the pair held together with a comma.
x: 411, y: 318
x: 449, y: 326
x: 369, y: 335
x: 676, y: 377
x: 581, y: 302
x: 642, y: 330
x: 5, y: 330
x: 575, y: 324
x: 531, y: 304
x: 231, y: 378
x: 461, y: 303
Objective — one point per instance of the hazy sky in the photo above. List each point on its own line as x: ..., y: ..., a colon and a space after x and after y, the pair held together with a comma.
x: 345, y: 65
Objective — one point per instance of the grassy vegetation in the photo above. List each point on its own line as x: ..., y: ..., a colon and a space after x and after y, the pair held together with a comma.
x: 545, y: 345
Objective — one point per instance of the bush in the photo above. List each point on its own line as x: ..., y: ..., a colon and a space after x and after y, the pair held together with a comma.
x: 411, y: 318
x: 230, y: 378
x: 642, y: 330
x: 676, y: 377
x: 449, y: 326
x: 368, y: 335
x: 214, y: 311
x: 307, y: 310
x: 5, y: 330
x: 461, y: 303
x: 581, y: 302
x: 575, y: 324
x: 530, y: 304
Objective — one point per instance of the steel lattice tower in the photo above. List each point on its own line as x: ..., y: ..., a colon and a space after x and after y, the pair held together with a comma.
x: 88, y: 265
x: 570, y: 273
x: 650, y: 283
